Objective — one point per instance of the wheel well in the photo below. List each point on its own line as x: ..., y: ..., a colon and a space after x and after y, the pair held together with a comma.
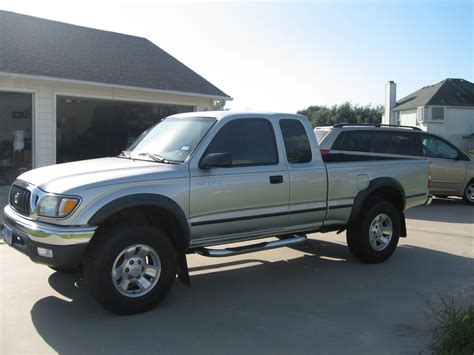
x: 390, y: 194
x: 469, y: 182
x: 152, y: 216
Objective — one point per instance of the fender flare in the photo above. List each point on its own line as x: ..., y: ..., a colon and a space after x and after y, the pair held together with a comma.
x: 375, y: 184
x: 137, y: 200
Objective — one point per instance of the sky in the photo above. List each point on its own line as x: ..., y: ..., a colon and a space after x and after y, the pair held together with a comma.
x: 286, y: 56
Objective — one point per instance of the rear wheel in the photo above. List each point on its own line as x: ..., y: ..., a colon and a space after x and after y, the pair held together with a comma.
x: 130, y: 269
x: 468, y: 195
x: 374, y: 236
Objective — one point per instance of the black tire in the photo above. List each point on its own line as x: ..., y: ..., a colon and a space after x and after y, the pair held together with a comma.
x: 66, y: 270
x: 357, y: 235
x: 466, y: 199
x: 102, y: 254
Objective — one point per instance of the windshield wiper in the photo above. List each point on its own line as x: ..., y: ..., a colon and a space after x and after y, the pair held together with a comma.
x: 158, y: 158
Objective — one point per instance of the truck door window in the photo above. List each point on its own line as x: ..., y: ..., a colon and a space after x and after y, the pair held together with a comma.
x: 436, y: 148
x: 250, y: 141
x: 357, y: 141
x: 297, y: 146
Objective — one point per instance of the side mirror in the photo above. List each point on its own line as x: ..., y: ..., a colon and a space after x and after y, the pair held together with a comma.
x: 216, y: 160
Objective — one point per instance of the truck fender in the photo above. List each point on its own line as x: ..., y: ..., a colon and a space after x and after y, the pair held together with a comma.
x: 379, y: 183
x: 163, y: 202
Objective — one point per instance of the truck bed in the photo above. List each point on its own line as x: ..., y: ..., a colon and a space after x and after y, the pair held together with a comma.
x: 343, y: 158
x: 348, y: 173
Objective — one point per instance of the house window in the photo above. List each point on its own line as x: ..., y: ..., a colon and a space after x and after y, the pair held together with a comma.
x: 437, y: 113
x: 15, y: 135
x: 420, y: 114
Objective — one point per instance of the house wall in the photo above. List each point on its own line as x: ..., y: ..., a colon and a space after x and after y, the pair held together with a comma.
x: 407, y: 118
x: 44, y: 106
x: 458, y: 123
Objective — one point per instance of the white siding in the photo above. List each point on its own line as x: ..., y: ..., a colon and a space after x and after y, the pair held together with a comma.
x: 408, y: 118
x: 44, y: 109
x: 458, y: 123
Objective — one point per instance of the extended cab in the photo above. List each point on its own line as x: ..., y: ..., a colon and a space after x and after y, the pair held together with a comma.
x: 199, y: 180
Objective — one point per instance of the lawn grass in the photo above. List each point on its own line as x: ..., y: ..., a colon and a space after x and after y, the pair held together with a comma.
x: 454, y: 330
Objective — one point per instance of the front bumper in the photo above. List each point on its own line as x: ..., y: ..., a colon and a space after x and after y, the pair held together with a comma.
x: 43, y: 243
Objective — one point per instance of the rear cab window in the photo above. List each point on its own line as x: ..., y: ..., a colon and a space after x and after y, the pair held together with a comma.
x: 297, y: 145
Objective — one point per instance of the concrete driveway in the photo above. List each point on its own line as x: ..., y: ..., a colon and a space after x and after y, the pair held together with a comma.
x: 311, y: 299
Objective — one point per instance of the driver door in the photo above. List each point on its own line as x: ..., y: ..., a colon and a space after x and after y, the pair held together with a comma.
x: 249, y: 198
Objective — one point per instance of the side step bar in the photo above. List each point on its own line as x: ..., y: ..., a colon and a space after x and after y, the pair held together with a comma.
x: 286, y: 242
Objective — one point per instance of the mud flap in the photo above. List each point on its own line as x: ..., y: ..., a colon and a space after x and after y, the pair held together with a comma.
x: 183, y: 272
x: 403, y: 226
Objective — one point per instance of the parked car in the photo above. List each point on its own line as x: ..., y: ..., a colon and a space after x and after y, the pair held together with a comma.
x: 198, y: 180
x: 452, y: 170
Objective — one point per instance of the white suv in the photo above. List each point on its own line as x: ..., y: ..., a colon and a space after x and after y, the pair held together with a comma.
x: 452, y: 170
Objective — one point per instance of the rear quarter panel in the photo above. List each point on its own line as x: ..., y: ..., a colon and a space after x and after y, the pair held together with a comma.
x: 348, y: 178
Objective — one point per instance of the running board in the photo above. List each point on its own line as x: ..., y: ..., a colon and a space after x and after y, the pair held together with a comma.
x: 286, y: 242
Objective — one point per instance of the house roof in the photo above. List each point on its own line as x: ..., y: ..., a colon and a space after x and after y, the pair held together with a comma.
x: 39, y: 47
x: 449, y: 92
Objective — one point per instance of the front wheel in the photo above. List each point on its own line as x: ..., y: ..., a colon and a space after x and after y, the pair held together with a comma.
x: 130, y: 269
x: 374, y: 236
x: 468, y: 195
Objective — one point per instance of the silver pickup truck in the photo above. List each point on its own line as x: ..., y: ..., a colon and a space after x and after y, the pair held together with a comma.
x: 198, y: 180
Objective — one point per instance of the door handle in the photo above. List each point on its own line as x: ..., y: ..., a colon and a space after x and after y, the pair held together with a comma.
x: 276, y: 179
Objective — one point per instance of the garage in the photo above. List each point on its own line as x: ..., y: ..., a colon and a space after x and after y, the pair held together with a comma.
x: 91, y: 128
x: 78, y: 93
x: 15, y: 135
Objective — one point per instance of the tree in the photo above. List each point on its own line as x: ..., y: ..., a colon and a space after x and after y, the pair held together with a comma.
x: 218, y: 105
x: 346, y: 112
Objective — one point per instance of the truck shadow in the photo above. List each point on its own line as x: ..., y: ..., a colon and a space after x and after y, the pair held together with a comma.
x: 298, y: 304
x: 459, y: 212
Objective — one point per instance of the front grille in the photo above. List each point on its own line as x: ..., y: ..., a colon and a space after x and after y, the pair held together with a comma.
x: 20, y: 199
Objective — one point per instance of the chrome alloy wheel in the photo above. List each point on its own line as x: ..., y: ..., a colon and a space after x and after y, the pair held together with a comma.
x: 136, y: 270
x: 470, y: 192
x: 380, y: 232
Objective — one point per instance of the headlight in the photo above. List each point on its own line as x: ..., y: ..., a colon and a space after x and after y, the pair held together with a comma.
x: 56, y: 206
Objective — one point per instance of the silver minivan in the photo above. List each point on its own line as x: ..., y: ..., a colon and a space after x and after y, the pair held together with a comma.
x: 452, y: 170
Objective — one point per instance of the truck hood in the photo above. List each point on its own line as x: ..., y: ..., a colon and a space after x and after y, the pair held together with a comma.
x: 68, y: 177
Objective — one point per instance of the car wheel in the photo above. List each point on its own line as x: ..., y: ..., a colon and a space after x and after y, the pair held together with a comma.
x: 374, y: 236
x: 130, y: 269
x: 468, y: 195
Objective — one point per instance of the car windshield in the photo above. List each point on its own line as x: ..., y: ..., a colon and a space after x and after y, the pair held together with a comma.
x: 171, y: 140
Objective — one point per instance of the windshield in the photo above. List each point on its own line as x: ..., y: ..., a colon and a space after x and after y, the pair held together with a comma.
x: 171, y: 140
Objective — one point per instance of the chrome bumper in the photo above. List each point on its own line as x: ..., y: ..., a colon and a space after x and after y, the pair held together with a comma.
x: 46, y: 233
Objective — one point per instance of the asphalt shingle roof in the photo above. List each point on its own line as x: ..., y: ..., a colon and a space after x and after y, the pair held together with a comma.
x: 35, y: 46
x: 449, y: 92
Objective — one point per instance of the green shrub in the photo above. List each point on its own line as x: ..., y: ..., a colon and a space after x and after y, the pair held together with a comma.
x: 454, y: 331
